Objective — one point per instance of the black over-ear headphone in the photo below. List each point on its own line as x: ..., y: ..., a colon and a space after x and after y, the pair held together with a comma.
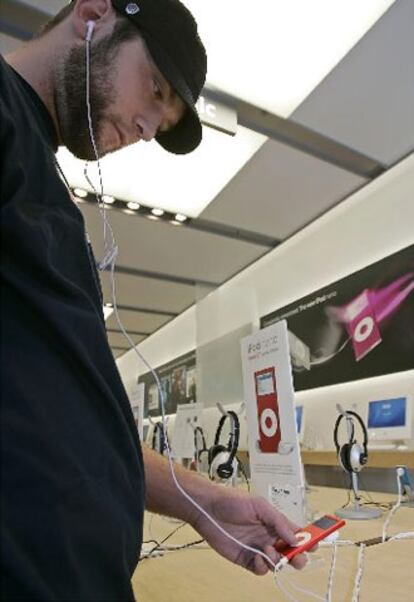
x: 199, y: 449
x: 225, y: 467
x: 158, y: 438
x: 352, y: 456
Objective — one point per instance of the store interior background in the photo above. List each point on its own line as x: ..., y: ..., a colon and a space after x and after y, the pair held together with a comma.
x: 328, y: 190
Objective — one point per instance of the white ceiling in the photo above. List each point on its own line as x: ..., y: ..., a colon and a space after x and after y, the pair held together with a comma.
x: 279, y: 190
x: 273, y: 54
x: 366, y: 102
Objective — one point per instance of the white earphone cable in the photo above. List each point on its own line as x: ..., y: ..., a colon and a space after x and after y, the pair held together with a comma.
x: 110, y: 249
x: 358, y: 577
x: 110, y: 262
x: 394, y: 508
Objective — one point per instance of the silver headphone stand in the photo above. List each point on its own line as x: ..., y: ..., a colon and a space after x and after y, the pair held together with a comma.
x: 357, y: 512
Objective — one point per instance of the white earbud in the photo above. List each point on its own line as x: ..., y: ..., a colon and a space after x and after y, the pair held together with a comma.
x: 90, y: 26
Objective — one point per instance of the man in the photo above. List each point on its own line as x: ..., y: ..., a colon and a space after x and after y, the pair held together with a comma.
x: 72, y: 473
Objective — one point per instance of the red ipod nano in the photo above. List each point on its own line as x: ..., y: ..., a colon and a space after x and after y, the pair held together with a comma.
x: 309, y: 536
x: 267, y: 410
x: 361, y: 325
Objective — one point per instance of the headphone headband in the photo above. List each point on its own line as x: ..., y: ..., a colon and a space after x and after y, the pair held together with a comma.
x: 350, y: 455
x: 197, y: 451
x: 158, y: 426
x: 233, y: 442
x: 362, y: 425
x: 226, y: 469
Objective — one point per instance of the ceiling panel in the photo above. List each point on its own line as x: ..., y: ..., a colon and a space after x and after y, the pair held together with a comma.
x: 273, y: 53
x: 280, y: 190
x: 367, y: 102
x: 157, y: 246
x: 119, y: 340
x: 137, y: 321
x: 148, y: 292
x: 118, y: 352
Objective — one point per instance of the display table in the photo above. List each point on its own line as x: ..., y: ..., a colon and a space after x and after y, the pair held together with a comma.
x: 377, y: 458
x: 201, y: 575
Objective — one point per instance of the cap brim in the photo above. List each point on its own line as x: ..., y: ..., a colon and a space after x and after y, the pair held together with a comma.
x: 187, y: 134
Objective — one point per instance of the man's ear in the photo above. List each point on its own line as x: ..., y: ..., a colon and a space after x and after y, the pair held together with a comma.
x: 100, y: 12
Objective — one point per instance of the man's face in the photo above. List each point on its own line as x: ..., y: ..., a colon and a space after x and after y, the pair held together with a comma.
x: 129, y: 99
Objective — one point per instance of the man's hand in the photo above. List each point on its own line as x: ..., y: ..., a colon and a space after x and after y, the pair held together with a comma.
x: 251, y: 520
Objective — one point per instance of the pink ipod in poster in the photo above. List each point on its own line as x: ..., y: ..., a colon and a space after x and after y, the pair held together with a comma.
x: 267, y: 411
x: 361, y: 325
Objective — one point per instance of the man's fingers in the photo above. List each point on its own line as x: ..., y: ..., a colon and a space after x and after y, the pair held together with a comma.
x: 259, y: 565
x: 299, y: 561
x: 278, y: 522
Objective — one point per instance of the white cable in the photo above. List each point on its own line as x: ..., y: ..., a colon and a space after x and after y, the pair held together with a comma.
x: 307, y: 592
x: 167, y: 445
x: 331, y: 573
x: 338, y: 542
x: 393, y: 509
x: 358, y: 577
x: 110, y: 262
x: 406, y: 535
x: 110, y: 250
x: 281, y: 584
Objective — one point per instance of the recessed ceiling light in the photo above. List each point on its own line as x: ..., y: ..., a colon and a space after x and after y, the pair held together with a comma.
x: 108, y: 199
x: 133, y: 205
x: 189, y: 183
x: 80, y: 192
x: 158, y: 212
x: 180, y: 217
x: 107, y: 310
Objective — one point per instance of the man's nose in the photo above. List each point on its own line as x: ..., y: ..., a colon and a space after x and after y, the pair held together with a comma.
x: 148, y: 128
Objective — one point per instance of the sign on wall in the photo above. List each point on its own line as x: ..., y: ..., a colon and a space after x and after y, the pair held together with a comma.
x: 178, y: 382
x: 275, y: 466
x: 358, y: 327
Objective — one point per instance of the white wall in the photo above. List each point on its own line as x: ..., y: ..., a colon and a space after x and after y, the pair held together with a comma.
x: 371, y: 224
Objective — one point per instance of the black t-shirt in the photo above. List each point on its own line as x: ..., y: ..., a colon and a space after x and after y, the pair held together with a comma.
x: 72, y: 477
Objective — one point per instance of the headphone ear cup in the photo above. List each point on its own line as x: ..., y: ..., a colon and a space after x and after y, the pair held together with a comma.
x: 220, y: 462
x: 357, y: 457
x: 225, y: 469
x: 344, y: 459
x: 214, y: 451
x: 224, y: 466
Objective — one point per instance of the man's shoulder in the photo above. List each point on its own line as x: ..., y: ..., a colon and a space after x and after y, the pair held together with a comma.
x: 8, y: 84
x: 6, y: 74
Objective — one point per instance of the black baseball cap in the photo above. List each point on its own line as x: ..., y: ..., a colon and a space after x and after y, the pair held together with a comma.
x: 170, y: 33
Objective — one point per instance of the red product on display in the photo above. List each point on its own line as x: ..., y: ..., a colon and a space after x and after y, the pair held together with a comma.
x: 309, y: 536
x: 361, y: 324
x: 267, y: 411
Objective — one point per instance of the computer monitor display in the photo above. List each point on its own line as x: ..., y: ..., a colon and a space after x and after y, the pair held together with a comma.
x: 388, y: 419
x: 300, y: 426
